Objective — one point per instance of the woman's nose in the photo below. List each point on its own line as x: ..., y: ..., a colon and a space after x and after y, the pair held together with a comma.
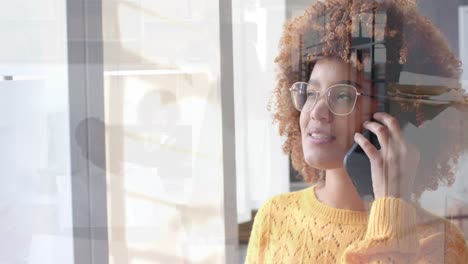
x: 320, y: 110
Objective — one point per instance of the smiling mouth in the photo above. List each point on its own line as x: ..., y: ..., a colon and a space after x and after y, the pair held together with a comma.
x: 320, y: 137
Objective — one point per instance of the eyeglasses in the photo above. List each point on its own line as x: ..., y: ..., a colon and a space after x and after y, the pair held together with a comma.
x: 341, y: 98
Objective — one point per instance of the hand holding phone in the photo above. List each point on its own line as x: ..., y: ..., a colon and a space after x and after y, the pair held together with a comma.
x: 392, y: 164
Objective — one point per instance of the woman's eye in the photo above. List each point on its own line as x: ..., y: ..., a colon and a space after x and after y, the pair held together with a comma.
x: 311, y: 93
x: 344, y: 97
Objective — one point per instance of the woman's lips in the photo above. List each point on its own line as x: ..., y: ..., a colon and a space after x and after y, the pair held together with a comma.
x: 320, y: 138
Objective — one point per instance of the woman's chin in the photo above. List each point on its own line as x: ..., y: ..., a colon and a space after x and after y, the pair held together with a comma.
x: 324, y: 163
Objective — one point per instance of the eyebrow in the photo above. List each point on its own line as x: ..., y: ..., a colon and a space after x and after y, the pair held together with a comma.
x: 349, y: 82
x: 313, y: 82
x: 355, y: 84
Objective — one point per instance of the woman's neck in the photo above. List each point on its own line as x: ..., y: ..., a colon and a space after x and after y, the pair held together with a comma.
x: 338, y: 191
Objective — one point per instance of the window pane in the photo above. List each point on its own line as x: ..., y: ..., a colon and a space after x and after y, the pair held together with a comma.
x: 35, y: 194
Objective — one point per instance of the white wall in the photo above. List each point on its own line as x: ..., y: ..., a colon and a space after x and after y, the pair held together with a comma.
x: 262, y: 168
x: 35, y: 194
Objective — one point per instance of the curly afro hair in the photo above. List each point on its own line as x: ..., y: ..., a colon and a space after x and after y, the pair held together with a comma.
x: 412, y: 42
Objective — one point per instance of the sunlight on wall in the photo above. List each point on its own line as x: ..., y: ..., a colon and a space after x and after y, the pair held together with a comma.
x: 163, y: 132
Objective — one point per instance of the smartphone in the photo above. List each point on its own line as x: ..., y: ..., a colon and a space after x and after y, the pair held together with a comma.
x: 358, y: 166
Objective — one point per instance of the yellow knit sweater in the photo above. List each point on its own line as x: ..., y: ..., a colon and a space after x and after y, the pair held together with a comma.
x: 297, y: 228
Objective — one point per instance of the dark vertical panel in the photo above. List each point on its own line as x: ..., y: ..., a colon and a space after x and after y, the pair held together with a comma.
x: 229, y: 149
x: 444, y: 15
x: 294, y: 6
x: 86, y: 101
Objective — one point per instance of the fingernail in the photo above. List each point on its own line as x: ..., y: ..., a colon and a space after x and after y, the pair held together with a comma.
x: 365, y: 123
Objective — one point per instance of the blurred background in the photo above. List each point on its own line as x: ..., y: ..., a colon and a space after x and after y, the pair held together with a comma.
x: 137, y: 131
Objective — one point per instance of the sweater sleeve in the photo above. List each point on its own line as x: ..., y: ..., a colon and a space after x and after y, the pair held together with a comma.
x: 391, y: 237
x: 259, y: 235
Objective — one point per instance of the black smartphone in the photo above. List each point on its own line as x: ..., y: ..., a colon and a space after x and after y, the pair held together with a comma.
x: 358, y: 166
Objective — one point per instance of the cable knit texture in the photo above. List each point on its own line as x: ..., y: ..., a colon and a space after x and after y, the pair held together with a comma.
x: 297, y: 228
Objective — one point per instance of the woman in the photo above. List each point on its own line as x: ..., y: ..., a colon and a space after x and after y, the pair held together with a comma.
x: 334, y: 100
